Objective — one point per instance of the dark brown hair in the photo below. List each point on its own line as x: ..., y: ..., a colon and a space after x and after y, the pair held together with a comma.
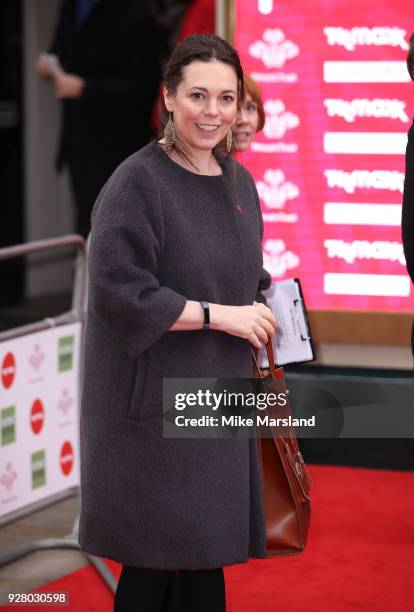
x: 410, y: 57
x: 251, y: 87
x: 197, y: 47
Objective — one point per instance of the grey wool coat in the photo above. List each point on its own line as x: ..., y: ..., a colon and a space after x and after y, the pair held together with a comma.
x: 161, y: 235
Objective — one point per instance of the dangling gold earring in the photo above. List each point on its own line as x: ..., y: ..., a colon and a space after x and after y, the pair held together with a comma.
x: 169, y: 132
x: 229, y: 141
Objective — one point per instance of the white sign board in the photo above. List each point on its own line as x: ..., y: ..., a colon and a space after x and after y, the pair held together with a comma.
x: 39, y: 416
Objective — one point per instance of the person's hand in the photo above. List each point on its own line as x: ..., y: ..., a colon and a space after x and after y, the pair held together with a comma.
x: 68, y: 86
x: 42, y: 68
x: 255, y: 323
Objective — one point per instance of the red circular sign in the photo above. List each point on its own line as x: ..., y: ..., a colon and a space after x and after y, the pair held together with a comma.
x: 8, y: 370
x: 66, y: 458
x: 37, y: 416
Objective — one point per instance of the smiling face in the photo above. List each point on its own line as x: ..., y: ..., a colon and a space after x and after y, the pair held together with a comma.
x: 204, y: 106
x: 247, y: 123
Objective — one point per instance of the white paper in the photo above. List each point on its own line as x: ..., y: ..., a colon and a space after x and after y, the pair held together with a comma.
x: 291, y: 343
x: 52, y: 63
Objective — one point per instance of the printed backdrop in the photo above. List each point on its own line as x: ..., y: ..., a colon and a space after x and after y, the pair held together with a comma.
x: 39, y: 417
x: 329, y: 163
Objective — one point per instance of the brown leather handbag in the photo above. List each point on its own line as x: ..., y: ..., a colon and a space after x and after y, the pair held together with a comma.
x: 286, y: 482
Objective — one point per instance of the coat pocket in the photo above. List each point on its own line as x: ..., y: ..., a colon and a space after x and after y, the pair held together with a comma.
x: 136, y: 407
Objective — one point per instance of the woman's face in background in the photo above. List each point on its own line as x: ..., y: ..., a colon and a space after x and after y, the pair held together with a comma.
x: 204, y: 105
x: 247, y: 122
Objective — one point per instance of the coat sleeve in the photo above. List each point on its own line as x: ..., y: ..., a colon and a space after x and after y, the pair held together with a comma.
x: 125, y: 247
x: 408, y: 205
x: 265, y: 279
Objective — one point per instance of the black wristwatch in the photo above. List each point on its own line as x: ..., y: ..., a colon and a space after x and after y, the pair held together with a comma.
x: 206, y: 311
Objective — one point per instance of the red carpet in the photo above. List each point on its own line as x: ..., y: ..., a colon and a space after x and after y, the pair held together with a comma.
x: 360, y: 554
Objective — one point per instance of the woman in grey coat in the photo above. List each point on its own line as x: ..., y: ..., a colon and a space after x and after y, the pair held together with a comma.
x: 177, y: 224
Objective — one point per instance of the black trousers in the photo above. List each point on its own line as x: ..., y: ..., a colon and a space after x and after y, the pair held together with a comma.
x: 147, y: 590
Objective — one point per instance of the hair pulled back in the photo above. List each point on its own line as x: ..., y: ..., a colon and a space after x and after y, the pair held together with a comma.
x: 197, y: 47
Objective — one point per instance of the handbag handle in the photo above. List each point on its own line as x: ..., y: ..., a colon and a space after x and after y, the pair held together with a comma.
x: 270, y: 358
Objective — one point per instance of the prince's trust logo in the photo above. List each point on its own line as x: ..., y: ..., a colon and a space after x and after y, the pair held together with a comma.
x: 278, y: 120
x: 277, y: 259
x: 274, y: 49
x: 275, y: 190
x: 37, y: 357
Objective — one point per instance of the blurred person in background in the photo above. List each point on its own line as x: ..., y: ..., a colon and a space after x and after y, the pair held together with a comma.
x: 250, y: 117
x: 408, y: 197
x: 105, y: 64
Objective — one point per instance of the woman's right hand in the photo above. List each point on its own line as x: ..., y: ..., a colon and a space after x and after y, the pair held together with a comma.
x: 255, y: 323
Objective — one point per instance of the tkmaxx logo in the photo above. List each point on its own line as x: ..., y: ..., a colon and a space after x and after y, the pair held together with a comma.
x: 274, y: 50
x: 8, y: 370
x: 37, y: 416
x: 66, y: 458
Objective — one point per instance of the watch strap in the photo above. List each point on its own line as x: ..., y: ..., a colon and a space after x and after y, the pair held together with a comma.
x: 206, y: 311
